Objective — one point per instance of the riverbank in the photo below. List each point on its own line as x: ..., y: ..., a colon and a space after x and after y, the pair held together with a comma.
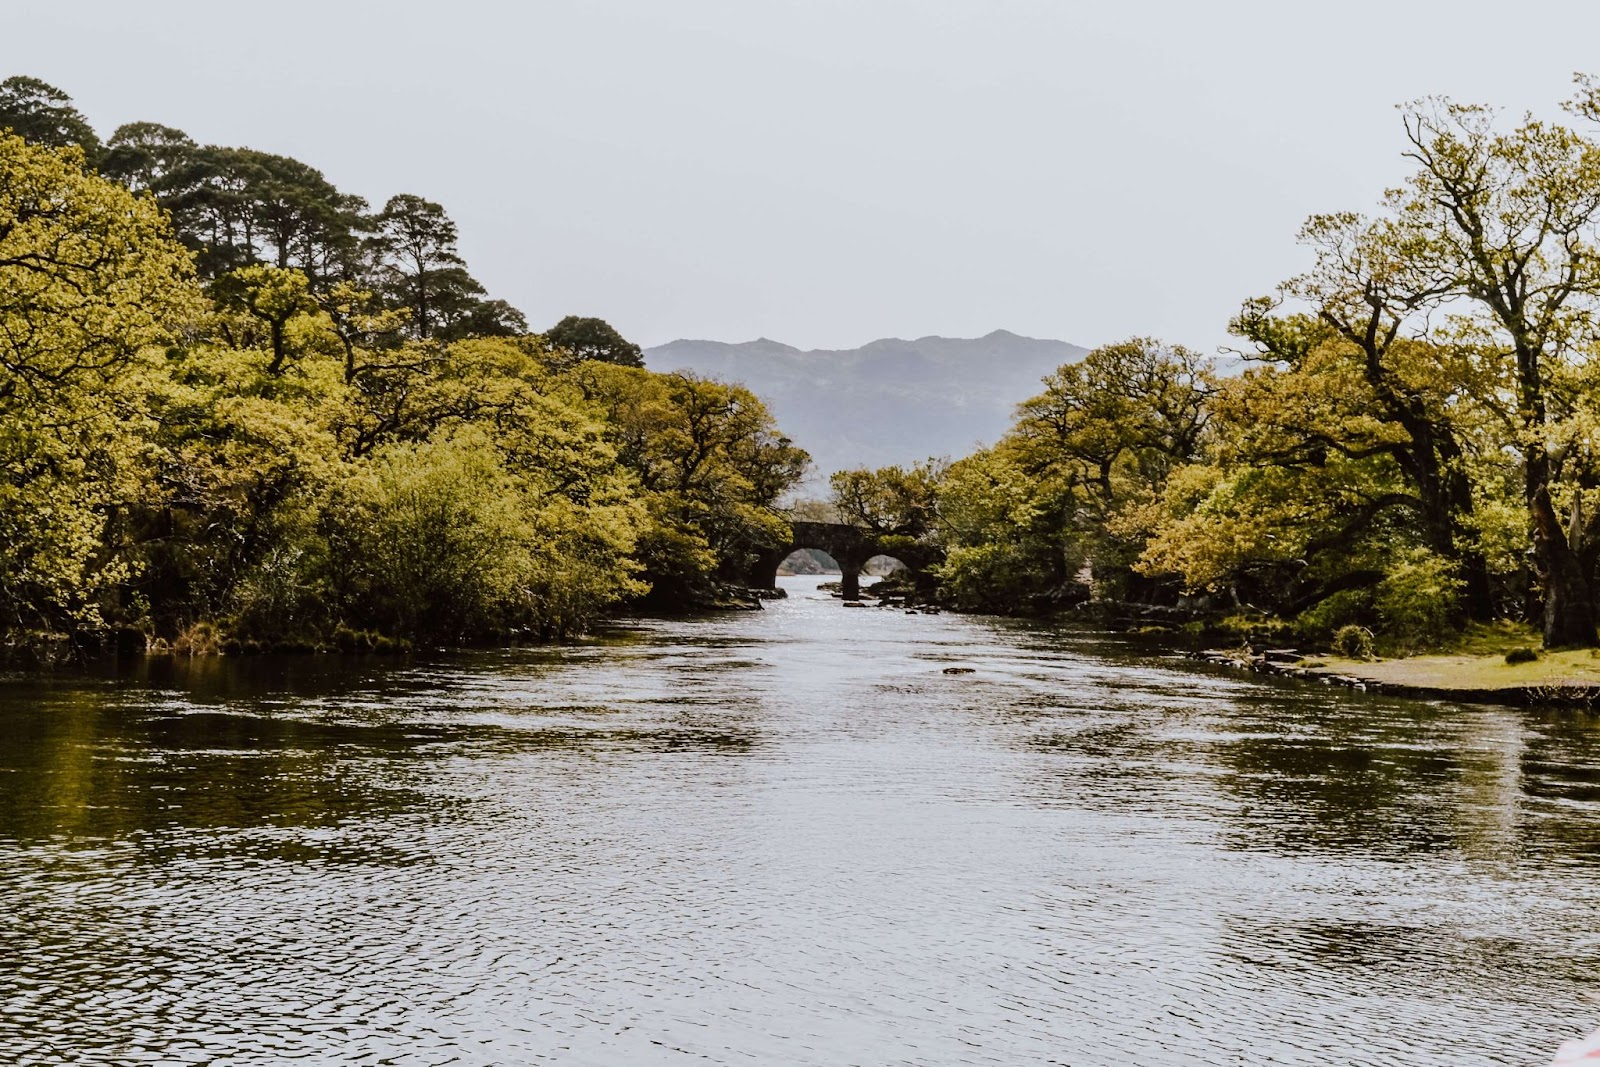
x: 1569, y: 678
x: 1489, y: 663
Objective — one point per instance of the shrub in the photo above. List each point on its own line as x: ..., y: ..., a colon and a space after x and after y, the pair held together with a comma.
x: 1348, y: 607
x: 445, y: 541
x: 1419, y: 600
x: 1353, y: 642
x: 1253, y: 629
x: 433, y: 540
x: 282, y: 599
x: 200, y: 639
x: 990, y: 577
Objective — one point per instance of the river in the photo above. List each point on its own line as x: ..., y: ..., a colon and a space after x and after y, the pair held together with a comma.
x: 787, y: 837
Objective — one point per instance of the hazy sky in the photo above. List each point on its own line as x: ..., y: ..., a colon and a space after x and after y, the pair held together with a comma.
x: 825, y: 172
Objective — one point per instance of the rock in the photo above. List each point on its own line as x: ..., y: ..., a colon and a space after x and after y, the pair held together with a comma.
x: 1281, y: 655
x: 960, y: 670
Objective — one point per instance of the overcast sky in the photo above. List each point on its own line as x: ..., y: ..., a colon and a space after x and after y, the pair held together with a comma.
x: 826, y: 172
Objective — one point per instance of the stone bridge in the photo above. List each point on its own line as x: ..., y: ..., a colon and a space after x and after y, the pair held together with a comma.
x: 850, y: 546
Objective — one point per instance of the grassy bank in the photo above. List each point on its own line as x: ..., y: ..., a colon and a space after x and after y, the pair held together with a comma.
x: 1490, y: 664
x: 1451, y: 671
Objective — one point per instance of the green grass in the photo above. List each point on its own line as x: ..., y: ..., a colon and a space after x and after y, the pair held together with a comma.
x: 1494, y: 638
x: 1476, y: 660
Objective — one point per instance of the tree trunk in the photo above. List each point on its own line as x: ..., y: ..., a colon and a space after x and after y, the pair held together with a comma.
x: 1456, y: 489
x: 1448, y: 537
x: 1568, y: 603
x: 278, y: 349
x: 1478, y: 591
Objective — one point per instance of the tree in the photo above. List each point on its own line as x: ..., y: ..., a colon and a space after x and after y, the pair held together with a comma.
x: 145, y: 156
x: 238, y: 206
x: 1504, y: 225
x: 274, y: 296
x: 711, y: 463
x: 1139, y: 404
x: 91, y: 274
x: 242, y: 462
x: 596, y: 339
x: 39, y: 112
x: 361, y: 323
x: 892, y: 501
x: 453, y: 539
x: 1280, y: 535
x: 474, y: 317
x: 271, y: 461
x: 1352, y: 380
x: 1104, y: 437
x: 1002, y: 526
x: 416, y: 242
x: 410, y: 392
x: 90, y: 279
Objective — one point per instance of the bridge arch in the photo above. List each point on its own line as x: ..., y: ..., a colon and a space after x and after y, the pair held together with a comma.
x: 805, y: 560
x: 884, y: 564
x: 850, y: 546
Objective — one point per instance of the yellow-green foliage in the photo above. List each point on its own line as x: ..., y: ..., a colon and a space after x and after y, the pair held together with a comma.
x: 1419, y: 601
x: 892, y: 501
x: 711, y: 463
x: 998, y: 525
x: 445, y: 540
x: 89, y: 276
x: 279, y: 460
x: 1353, y: 642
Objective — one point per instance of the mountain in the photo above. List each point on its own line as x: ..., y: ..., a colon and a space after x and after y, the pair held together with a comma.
x: 891, y: 401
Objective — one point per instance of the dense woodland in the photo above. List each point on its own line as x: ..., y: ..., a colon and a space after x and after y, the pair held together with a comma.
x: 240, y: 408
x: 1413, y: 448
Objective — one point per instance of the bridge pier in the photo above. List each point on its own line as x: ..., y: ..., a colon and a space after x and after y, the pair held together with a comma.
x: 850, y: 582
x: 850, y: 564
x: 764, y: 575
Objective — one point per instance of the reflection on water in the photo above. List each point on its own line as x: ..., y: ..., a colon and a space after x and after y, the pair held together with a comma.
x: 787, y: 838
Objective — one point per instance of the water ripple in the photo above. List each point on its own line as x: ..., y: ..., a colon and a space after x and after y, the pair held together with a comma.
x: 787, y: 838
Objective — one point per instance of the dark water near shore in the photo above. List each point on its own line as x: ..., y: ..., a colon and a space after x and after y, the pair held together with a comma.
x: 787, y: 838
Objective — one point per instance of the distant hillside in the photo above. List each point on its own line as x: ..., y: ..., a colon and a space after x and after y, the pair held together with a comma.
x: 890, y: 401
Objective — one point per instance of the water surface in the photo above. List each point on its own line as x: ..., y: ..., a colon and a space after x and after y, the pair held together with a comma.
x: 787, y: 837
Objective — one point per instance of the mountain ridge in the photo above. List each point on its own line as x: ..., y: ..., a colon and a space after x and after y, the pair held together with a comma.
x: 891, y: 400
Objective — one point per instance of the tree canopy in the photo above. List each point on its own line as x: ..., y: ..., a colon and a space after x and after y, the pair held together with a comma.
x: 594, y: 339
x: 240, y: 410
x: 39, y: 112
x: 240, y: 406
